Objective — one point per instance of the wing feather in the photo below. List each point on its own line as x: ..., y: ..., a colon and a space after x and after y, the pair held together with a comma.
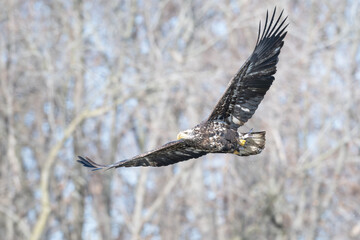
x: 248, y: 87
x: 167, y: 154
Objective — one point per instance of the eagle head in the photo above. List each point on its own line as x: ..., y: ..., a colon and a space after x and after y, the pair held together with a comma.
x: 187, y: 134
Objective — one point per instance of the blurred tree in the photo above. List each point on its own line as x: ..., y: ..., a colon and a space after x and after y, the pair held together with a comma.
x: 116, y: 78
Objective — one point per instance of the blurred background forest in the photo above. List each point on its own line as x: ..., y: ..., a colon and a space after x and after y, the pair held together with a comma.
x: 111, y: 79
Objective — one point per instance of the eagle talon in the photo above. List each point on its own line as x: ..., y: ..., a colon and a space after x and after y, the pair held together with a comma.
x: 242, y: 142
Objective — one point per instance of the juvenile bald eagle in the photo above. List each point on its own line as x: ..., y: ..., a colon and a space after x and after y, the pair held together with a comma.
x: 218, y: 133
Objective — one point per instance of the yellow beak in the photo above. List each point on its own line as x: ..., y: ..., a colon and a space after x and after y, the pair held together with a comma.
x: 180, y: 136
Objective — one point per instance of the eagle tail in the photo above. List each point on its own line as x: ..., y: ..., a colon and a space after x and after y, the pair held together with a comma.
x: 87, y: 162
x: 255, y: 143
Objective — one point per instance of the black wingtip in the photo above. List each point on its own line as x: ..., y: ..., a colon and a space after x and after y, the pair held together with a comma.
x: 274, y: 30
x: 87, y: 162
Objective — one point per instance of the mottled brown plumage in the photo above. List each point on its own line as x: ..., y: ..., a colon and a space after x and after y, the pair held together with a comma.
x: 218, y: 134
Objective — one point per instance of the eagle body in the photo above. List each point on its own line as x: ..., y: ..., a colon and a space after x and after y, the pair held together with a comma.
x: 214, y: 137
x: 219, y: 132
x: 219, y: 137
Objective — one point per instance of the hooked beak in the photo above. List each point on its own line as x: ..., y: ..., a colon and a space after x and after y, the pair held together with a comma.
x: 184, y: 134
x: 181, y: 135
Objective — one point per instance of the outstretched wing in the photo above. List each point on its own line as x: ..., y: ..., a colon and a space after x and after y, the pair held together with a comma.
x: 249, y: 85
x: 167, y: 154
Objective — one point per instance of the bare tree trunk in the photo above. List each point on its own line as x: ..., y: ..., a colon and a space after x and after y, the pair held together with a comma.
x: 79, y: 77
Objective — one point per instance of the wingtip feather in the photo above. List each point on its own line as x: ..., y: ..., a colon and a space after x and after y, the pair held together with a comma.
x: 87, y: 162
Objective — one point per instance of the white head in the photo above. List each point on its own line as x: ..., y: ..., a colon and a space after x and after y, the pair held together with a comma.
x: 187, y: 134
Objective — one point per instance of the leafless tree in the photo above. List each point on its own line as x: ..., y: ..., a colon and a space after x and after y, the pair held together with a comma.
x: 111, y: 79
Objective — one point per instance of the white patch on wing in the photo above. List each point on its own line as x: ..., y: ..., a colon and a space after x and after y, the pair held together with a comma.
x: 235, y: 120
x: 245, y: 109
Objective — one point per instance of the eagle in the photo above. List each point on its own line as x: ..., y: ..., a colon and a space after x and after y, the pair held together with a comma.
x: 219, y: 132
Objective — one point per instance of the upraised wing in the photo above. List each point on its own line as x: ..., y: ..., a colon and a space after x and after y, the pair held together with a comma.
x: 167, y: 154
x: 248, y: 87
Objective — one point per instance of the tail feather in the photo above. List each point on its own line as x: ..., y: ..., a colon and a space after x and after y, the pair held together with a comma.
x: 87, y: 162
x: 255, y: 143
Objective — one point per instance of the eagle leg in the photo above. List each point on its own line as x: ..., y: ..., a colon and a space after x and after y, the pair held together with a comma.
x: 242, y: 140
